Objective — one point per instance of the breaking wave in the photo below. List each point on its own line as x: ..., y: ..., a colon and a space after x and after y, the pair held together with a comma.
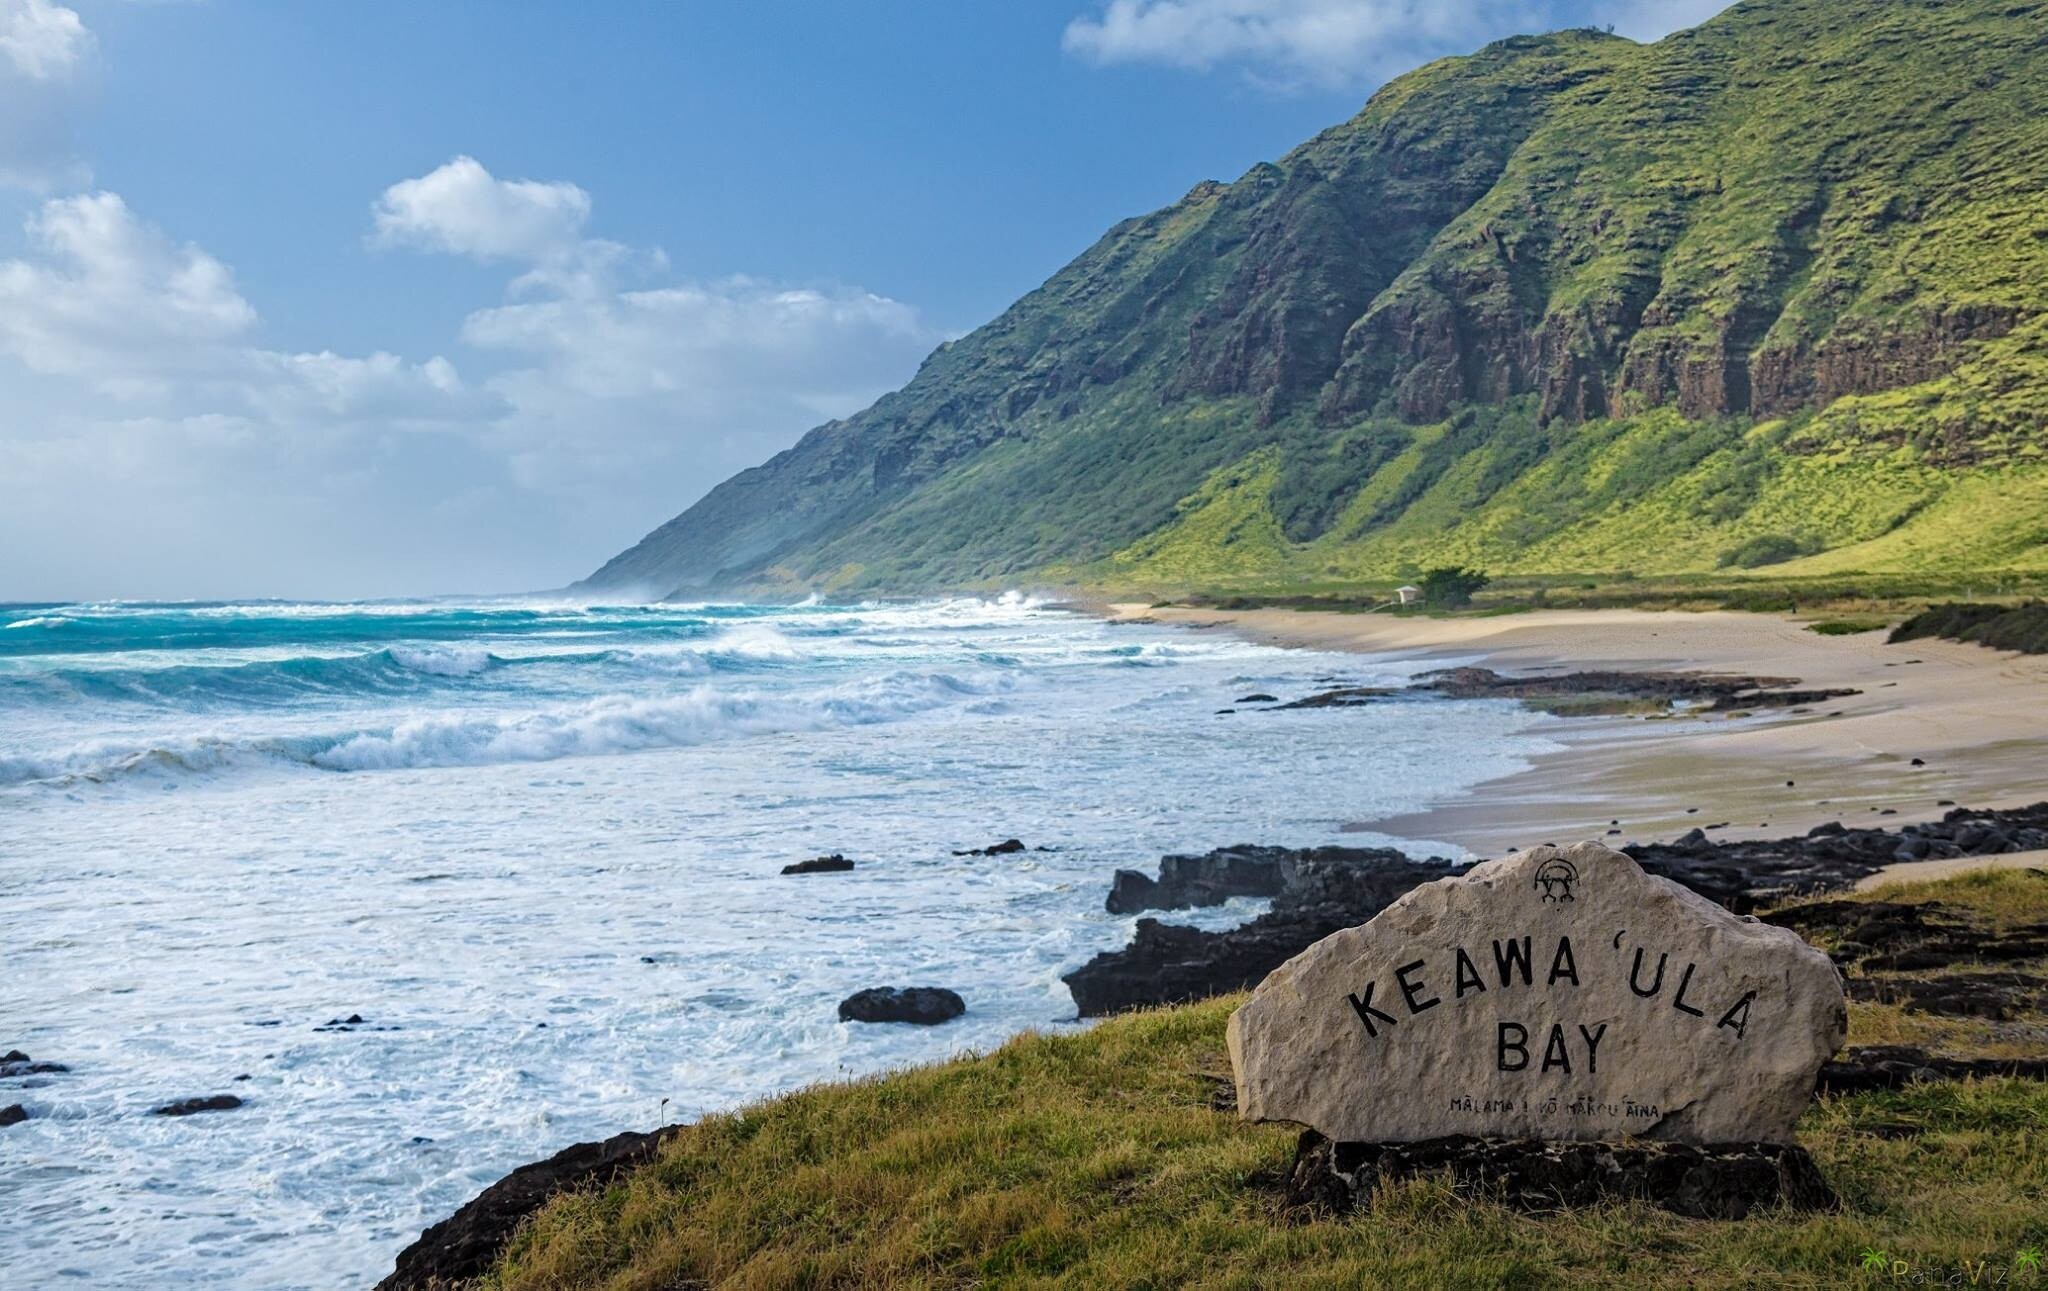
x: 606, y: 724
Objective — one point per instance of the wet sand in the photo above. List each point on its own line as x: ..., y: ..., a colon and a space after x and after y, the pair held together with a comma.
x: 1976, y: 718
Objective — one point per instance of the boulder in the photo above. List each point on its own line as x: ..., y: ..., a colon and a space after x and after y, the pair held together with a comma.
x: 1721, y: 1181
x: 920, y: 1005
x: 12, y: 1114
x: 1559, y: 995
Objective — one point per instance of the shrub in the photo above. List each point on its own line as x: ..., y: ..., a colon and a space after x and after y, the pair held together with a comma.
x: 1765, y: 549
x: 2002, y: 627
x: 1452, y: 586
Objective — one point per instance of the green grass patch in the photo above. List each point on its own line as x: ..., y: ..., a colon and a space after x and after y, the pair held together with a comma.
x: 1107, y: 1158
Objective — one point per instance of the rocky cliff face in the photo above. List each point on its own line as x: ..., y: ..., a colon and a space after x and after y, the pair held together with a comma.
x: 1801, y: 202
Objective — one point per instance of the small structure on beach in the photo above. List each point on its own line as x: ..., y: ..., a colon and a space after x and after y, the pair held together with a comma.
x: 1408, y: 595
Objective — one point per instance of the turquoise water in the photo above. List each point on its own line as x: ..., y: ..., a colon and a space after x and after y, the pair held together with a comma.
x: 536, y: 845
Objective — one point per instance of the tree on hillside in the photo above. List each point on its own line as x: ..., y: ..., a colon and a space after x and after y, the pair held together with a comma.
x: 1452, y: 586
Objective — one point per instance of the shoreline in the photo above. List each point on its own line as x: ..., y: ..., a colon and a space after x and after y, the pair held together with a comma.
x: 1971, y: 715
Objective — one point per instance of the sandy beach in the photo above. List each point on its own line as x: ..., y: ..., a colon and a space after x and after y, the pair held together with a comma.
x: 1976, y: 719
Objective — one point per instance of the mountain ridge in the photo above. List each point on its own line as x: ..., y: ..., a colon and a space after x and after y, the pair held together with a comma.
x: 1567, y: 304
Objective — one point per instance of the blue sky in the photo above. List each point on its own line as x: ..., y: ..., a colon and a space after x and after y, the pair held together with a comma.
x: 390, y: 298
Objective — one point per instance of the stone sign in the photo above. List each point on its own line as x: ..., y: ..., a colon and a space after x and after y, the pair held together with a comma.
x: 1552, y: 995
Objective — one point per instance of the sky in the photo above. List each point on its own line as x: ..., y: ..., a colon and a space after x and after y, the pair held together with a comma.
x: 380, y: 298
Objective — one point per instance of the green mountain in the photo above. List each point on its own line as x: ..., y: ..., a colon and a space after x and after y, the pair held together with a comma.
x: 1772, y: 290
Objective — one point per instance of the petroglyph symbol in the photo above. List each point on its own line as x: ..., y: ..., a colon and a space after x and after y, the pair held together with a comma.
x: 1555, y: 879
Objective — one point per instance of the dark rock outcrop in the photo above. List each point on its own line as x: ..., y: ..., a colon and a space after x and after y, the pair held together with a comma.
x: 462, y: 1246
x: 1716, y: 691
x: 1744, y: 875
x: 1342, y: 697
x: 12, y: 1114
x: 1873, y: 1067
x: 833, y: 864
x: 919, y: 1005
x: 1909, y: 936
x: 1004, y: 848
x: 16, y: 1063
x: 1995, y: 996
x: 1323, y: 889
x: 1720, y: 1181
x: 193, y: 1106
x: 1205, y: 880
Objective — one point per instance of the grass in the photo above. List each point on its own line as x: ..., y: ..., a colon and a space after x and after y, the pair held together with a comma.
x: 1876, y: 598
x: 1104, y: 1158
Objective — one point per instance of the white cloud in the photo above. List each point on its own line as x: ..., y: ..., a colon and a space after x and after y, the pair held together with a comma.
x: 462, y: 208
x: 628, y: 392
x: 155, y: 446
x: 694, y: 342
x: 109, y: 301
x: 1329, y: 42
x: 44, y: 50
x: 42, y: 41
x: 107, y: 297
x: 1340, y: 43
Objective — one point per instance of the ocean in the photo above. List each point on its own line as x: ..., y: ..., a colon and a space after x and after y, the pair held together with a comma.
x: 535, y: 846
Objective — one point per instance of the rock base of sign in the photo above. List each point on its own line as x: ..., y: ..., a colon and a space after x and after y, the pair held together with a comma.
x: 1715, y: 1181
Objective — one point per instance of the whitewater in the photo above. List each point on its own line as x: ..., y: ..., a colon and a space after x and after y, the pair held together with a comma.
x: 535, y: 845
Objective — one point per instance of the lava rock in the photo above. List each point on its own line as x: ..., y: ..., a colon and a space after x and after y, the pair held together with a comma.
x: 1004, y: 848
x: 192, y: 1106
x: 1720, y: 1181
x: 16, y: 1063
x: 1344, y: 697
x: 1209, y: 879
x: 1586, y: 690
x: 1996, y: 996
x: 1746, y: 875
x: 1910, y: 936
x: 833, y: 864
x: 13, y: 1114
x: 1874, y: 1067
x: 1332, y: 888
x: 919, y: 1005
x: 463, y: 1246
x: 1258, y: 699
x: 1322, y: 889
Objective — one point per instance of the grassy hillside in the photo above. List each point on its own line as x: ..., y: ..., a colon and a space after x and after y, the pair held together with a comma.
x: 1568, y: 304
x: 1111, y: 1158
